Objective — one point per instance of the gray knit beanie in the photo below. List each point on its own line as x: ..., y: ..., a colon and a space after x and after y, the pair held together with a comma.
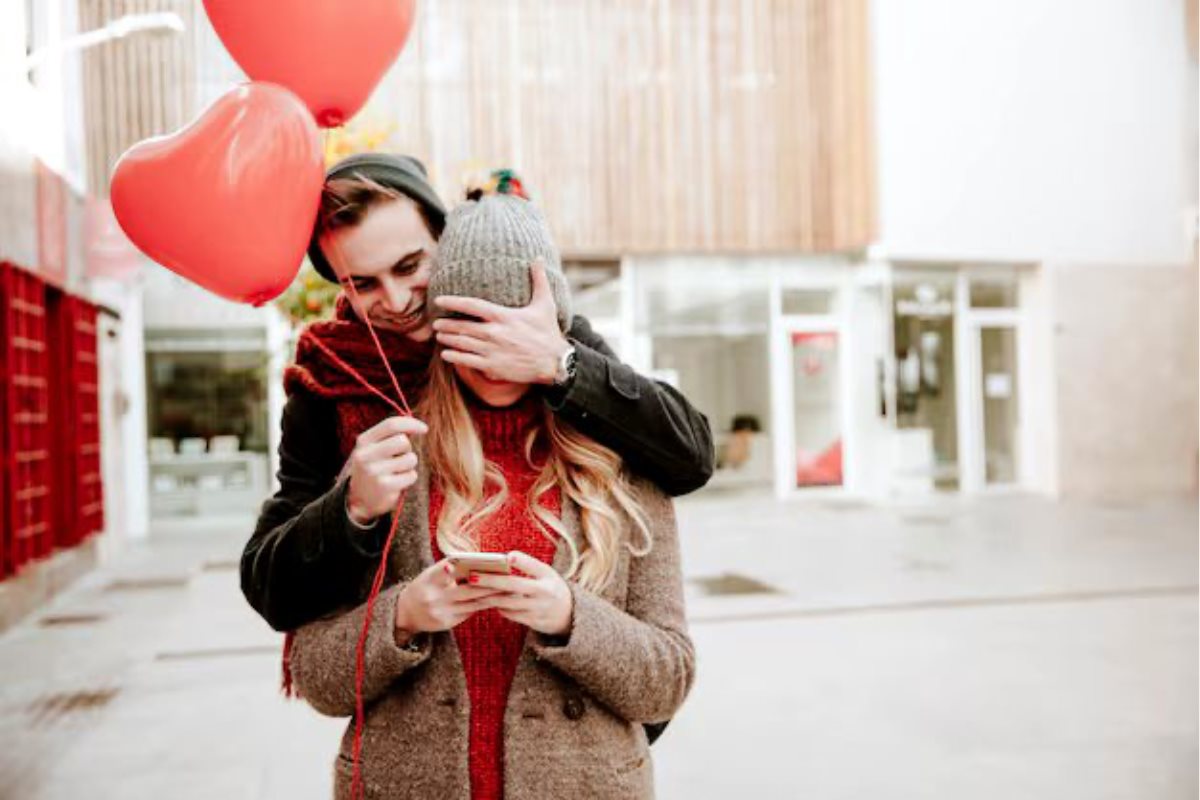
x: 487, y: 249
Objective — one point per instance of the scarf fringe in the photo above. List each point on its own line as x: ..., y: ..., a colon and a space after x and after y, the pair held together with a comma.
x: 288, y: 686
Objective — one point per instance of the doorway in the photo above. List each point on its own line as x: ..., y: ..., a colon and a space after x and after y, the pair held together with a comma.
x: 956, y: 378
x: 926, y: 377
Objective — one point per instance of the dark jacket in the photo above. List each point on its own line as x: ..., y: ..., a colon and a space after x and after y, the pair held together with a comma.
x: 306, y: 559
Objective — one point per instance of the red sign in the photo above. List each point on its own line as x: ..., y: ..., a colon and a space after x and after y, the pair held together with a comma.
x: 51, y: 223
x: 110, y: 254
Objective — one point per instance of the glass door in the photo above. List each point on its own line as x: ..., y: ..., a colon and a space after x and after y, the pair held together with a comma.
x: 926, y: 449
x: 998, y: 384
x: 817, y: 409
x: 991, y: 385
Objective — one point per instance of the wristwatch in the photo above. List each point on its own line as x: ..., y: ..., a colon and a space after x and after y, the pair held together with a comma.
x: 568, y: 364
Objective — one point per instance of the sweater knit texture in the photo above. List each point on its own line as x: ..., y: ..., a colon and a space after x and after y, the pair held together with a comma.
x: 489, y: 644
x: 486, y: 252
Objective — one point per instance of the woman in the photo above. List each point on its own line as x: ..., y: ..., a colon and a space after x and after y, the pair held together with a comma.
x: 523, y: 686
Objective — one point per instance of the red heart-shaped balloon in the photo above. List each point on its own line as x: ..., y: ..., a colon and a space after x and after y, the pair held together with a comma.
x: 331, y: 53
x: 229, y: 201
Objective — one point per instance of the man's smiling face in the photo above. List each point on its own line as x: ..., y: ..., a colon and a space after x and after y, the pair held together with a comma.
x: 388, y: 256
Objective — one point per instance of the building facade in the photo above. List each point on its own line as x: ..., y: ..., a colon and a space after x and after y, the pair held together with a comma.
x: 56, y: 335
x: 890, y: 249
x: 1062, y: 141
x: 902, y: 249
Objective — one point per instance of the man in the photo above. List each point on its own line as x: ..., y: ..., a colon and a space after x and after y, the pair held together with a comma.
x: 346, y: 456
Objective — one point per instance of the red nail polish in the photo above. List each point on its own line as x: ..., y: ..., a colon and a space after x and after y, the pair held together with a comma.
x: 474, y: 579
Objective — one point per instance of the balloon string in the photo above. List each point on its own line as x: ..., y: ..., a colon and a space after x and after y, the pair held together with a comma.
x: 345, y: 280
x: 339, y: 269
x: 357, y: 788
x: 374, y: 336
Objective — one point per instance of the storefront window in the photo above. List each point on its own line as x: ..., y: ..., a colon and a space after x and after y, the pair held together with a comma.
x: 802, y: 302
x: 702, y: 296
x: 203, y: 395
x: 595, y: 287
x: 994, y: 291
x: 596, y: 294
x: 207, y: 422
x: 707, y: 322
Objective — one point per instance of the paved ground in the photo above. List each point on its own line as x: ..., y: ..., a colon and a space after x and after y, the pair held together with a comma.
x: 1007, y: 648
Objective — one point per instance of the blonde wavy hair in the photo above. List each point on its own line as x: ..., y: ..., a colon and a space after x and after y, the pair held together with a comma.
x: 586, y: 472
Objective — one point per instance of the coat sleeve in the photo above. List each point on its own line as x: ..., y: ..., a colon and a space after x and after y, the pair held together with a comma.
x: 652, y: 426
x: 305, y: 558
x: 323, y: 656
x: 640, y: 662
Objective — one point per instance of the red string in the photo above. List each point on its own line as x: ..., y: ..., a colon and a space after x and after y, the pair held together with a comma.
x: 357, y: 376
x: 360, y: 652
x: 358, y: 306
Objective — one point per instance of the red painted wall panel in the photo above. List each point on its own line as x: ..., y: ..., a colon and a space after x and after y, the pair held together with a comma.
x: 85, y: 448
x: 51, y: 494
x: 28, y: 439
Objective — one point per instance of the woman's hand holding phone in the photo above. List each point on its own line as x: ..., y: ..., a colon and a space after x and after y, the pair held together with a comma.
x: 540, y: 600
x: 435, y: 601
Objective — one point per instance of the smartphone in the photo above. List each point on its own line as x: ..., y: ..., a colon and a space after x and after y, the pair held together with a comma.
x: 463, y: 564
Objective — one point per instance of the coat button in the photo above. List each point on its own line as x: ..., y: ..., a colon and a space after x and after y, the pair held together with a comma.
x: 573, y: 707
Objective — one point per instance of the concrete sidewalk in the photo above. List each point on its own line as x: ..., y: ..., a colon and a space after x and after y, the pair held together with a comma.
x: 999, y: 648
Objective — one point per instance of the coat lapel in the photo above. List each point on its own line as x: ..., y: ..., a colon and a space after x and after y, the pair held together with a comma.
x: 411, y: 551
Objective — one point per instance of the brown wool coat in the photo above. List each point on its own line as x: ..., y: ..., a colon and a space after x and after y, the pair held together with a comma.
x: 572, y: 728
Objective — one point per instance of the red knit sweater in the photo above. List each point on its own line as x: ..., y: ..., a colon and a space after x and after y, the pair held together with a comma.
x: 489, y: 644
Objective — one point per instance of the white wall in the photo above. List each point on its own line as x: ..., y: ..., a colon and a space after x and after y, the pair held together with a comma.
x: 280, y: 350
x: 174, y: 302
x: 1126, y: 351
x: 1034, y: 129
x: 868, y: 433
x: 114, y: 404
x: 18, y: 208
x: 1037, y: 445
x: 130, y: 375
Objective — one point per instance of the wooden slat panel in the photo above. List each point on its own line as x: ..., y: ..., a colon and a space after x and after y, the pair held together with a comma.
x: 655, y: 125
x: 134, y: 86
x: 643, y: 126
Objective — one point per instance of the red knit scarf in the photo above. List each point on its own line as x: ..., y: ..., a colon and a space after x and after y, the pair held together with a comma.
x: 346, y: 339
